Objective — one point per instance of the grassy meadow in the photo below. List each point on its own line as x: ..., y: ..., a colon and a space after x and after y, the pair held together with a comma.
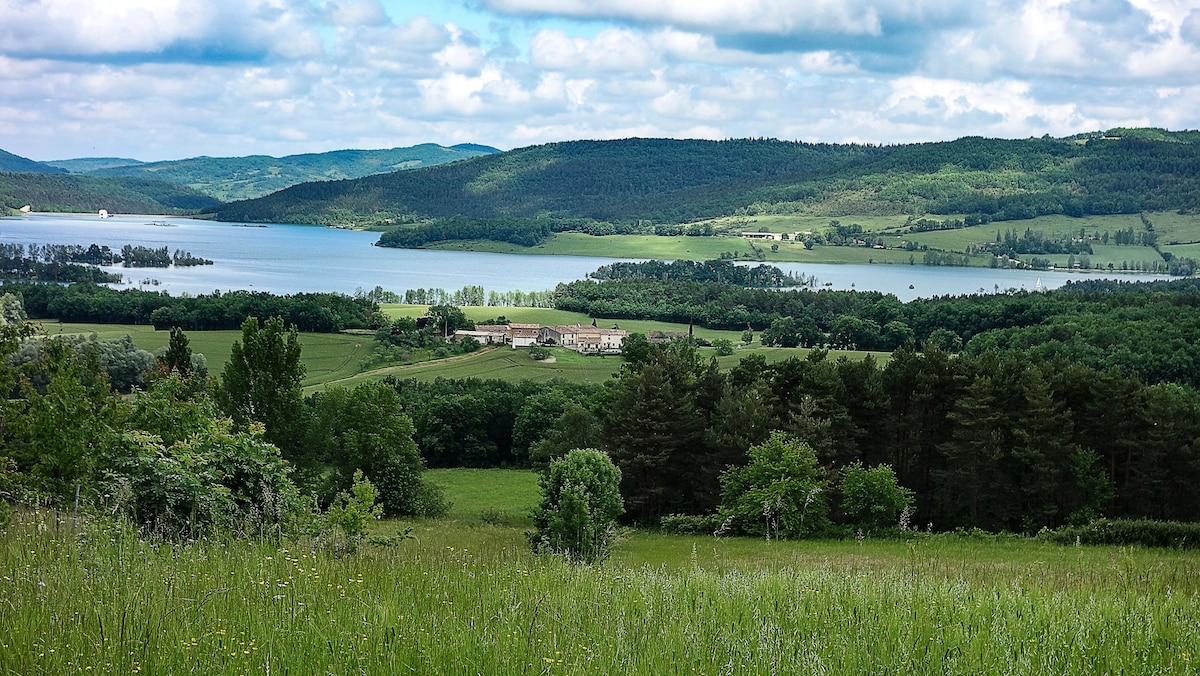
x: 345, y: 359
x: 326, y: 356
x: 1177, y: 233
x: 465, y: 596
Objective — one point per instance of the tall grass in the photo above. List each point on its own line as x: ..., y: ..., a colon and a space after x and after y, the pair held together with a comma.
x: 473, y: 600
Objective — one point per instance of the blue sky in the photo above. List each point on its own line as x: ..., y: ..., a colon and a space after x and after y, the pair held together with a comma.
x: 167, y: 79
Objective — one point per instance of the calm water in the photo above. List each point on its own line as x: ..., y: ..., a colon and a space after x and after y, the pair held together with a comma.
x: 296, y: 258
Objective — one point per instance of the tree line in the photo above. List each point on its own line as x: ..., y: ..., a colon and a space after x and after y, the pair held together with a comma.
x: 189, y: 456
x: 91, y: 303
x: 721, y: 271
x: 1141, y: 329
x: 998, y: 442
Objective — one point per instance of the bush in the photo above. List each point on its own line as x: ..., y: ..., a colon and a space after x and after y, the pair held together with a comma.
x: 8, y: 474
x: 724, y: 347
x: 686, y: 524
x: 351, y: 512
x: 581, y: 501
x: 215, y: 480
x: 781, y: 493
x: 538, y: 353
x: 429, y: 500
x: 873, y: 498
x: 1120, y: 532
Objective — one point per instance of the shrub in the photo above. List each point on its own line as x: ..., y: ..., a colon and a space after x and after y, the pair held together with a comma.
x: 8, y: 480
x: 581, y: 501
x: 351, y: 512
x: 538, y: 353
x: 781, y: 493
x: 873, y: 498
x: 1121, y: 532
x: 724, y: 347
x: 216, y: 479
x: 429, y: 500
x: 686, y: 524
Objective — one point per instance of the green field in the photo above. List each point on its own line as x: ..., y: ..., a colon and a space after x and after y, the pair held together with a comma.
x: 1183, y: 230
x: 336, y: 358
x: 326, y: 356
x: 552, y: 317
x: 463, y: 597
x: 501, y: 496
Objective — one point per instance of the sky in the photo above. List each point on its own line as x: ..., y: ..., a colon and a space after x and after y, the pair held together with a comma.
x: 169, y: 79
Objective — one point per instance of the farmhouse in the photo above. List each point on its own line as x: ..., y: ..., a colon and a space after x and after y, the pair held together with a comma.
x: 584, y: 339
x: 775, y: 236
x: 485, y: 337
x: 524, y: 338
x: 659, y: 337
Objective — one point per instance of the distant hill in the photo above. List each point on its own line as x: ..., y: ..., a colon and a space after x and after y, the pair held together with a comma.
x: 16, y: 163
x: 82, y: 165
x: 661, y: 179
x: 81, y: 194
x: 235, y: 178
x: 676, y: 181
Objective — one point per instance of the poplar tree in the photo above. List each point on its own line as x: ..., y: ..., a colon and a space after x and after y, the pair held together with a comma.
x: 261, y: 382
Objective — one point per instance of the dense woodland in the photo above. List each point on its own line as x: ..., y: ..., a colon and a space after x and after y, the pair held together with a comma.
x: 721, y: 271
x: 82, y: 194
x: 314, y: 312
x: 1006, y: 435
x: 237, y: 178
x: 1146, y: 330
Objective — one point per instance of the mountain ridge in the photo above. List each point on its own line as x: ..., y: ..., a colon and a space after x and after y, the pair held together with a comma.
x: 250, y: 176
x: 677, y: 181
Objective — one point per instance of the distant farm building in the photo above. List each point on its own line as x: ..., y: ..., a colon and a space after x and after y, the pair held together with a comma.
x: 774, y: 236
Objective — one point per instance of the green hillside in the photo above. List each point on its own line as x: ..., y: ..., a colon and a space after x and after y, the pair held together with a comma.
x: 236, y: 178
x: 82, y: 165
x: 78, y: 194
x: 661, y: 179
x: 635, y: 182
x: 16, y: 163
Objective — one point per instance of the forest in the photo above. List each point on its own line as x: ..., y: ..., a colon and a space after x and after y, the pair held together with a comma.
x: 989, y: 414
x: 1140, y: 329
x: 83, y: 194
x: 315, y: 312
x: 681, y: 181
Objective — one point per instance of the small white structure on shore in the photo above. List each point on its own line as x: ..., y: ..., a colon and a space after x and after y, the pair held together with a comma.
x: 26, y: 209
x: 104, y: 213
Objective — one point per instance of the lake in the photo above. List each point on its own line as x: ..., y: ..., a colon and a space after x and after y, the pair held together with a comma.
x: 285, y: 259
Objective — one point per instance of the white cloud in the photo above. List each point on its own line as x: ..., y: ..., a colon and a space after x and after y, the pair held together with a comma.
x: 613, y: 50
x: 175, y: 29
x: 781, y: 17
x: 1007, y: 103
x: 347, y: 13
x: 170, y: 78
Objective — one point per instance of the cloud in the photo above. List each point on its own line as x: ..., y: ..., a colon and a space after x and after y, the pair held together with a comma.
x: 777, y: 17
x: 347, y: 13
x: 159, y: 30
x: 1190, y: 29
x: 160, y: 79
x: 613, y: 50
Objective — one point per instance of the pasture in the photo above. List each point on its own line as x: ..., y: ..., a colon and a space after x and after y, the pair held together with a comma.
x: 461, y: 596
x: 343, y: 359
x: 326, y: 356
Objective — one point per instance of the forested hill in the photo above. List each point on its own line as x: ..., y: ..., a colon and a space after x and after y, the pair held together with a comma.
x: 235, y: 178
x: 82, y: 165
x: 673, y: 181
x: 78, y: 194
x: 12, y: 163
x: 660, y: 179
